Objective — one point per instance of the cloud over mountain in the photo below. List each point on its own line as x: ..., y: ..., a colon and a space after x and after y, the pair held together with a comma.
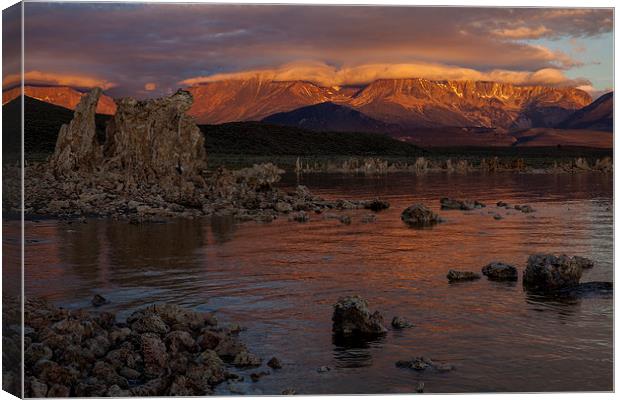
x: 325, y: 75
x: 135, y: 44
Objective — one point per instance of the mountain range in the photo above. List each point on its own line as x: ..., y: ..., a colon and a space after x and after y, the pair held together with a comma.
x: 410, y: 109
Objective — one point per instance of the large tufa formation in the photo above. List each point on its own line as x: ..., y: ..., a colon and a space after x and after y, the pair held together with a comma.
x: 77, y: 149
x: 148, y: 143
x: 154, y: 141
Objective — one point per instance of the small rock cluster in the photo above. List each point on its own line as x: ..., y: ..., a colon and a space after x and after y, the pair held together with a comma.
x: 423, y: 364
x: 524, y: 208
x: 418, y: 215
x: 161, y: 350
x: 453, y: 204
x: 457, y: 276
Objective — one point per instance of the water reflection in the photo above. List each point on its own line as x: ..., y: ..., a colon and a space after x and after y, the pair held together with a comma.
x: 280, y: 280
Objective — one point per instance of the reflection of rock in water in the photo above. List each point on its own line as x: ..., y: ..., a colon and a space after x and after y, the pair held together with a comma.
x: 131, y: 248
x: 574, y: 294
x: 355, y: 351
x: 223, y: 228
x: 11, y: 307
x: 79, y: 246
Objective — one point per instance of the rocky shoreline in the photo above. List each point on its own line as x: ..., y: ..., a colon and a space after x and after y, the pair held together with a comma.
x: 160, y: 350
x: 422, y: 165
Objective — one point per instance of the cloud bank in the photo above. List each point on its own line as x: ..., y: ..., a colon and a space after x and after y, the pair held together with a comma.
x: 54, y: 79
x: 325, y: 75
x: 160, y: 45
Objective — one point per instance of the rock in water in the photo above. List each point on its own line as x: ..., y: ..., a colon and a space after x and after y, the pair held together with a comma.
x: 98, y: 300
x: 77, y: 149
x: 351, y: 316
x: 418, y: 215
x: 154, y: 141
x: 456, y: 276
x: 454, y: 204
x: 585, y: 263
x: 401, y: 323
x: 547, y: 272
x: 274, y: 363
x: 497, y: 271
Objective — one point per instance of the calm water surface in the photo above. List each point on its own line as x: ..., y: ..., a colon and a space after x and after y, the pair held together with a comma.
x: 280, y: 280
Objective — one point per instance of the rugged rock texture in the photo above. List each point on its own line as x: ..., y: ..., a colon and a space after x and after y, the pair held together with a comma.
x: 547, y: 272
x: 498, y: 271
x: 163, y: 352
x: 418, y: 215
x: 456, y: 276
x: 77, y: 148
x: 351, y: 316
x: 404, y: 102
x: 155, y: 142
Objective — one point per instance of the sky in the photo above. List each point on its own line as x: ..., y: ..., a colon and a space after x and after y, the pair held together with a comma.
x: 147, y: 50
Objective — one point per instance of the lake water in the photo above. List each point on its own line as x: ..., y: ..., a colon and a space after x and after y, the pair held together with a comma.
x: 281, y: 279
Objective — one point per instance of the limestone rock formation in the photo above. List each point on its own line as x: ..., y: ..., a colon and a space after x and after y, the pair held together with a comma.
x: 547, y: 272
x: 155, y: 142
x: 419, y: 215
x: 77, y: 149
x: 498, y: 271
x: 351, y: 316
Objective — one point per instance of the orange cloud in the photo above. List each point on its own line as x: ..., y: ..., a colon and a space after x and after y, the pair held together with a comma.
x: 523, y: 32
x: 54, y: 79
x: 325, y: 75
x: 150, y: 86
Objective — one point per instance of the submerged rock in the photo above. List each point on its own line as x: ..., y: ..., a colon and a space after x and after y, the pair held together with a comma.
x: 456, y: 276
x: 498, y: 271
x: 98, y: 300
x: 401, y: 323
x: 369, y: 218
x: 377, y: 205
x: 583, y: 262
x: 351, y: 316
x: 274, y: 363
x: 524, y: 208
x: 547, y: 272
x: 588, y: 289
x: 423, y: 364
x: 418, y: 215
x: 453, y: 204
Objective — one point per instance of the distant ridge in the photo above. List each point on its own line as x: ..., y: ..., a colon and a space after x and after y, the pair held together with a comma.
x: 62, y: 96
x: 599, y: 115
x: 408, y: 103
x: 328, y: 116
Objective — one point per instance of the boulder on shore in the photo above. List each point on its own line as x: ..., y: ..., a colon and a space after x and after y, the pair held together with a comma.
x: 351, y: 316
x: 547, y: 272
x: 419, y: 215
x: 498, y: 271
x: 457, y: 276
